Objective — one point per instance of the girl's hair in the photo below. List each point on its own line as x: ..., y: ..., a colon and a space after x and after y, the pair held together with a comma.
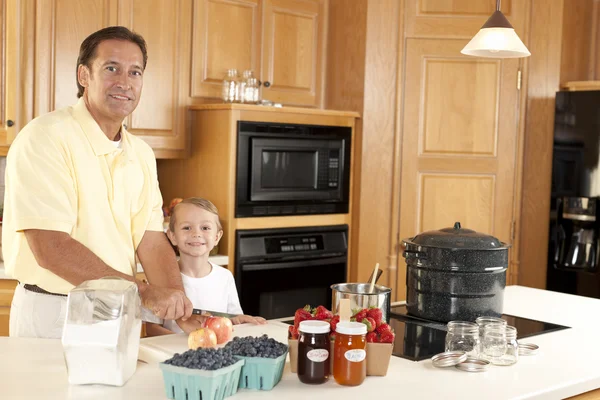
x: 199, y: 202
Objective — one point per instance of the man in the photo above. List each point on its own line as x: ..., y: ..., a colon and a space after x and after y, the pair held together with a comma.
x: 82, y: 197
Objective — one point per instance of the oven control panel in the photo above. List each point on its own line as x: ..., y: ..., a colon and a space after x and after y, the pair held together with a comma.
x: 294, y: 244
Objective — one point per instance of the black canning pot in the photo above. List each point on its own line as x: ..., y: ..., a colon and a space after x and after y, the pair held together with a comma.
x: 455, y: 274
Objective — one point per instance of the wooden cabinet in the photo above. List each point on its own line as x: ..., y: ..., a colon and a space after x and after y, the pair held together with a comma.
x: 61, y: 26
x: 226, y: 34
x: 445, y: 19
x: 160, y: 116
x: 282, y: 41
x: 460, y: 141
x: 215, y: 133
x: 294, y: 35
x: 7, y: 290
x: 9, y: 22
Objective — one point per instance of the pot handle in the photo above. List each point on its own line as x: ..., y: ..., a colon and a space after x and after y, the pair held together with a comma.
x: 414, y: 254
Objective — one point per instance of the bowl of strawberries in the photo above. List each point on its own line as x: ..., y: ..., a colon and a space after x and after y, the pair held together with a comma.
x: 380, y: 336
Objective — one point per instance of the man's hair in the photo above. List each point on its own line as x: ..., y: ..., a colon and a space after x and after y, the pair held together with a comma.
x: 87, y: 51
x: 198, y: 202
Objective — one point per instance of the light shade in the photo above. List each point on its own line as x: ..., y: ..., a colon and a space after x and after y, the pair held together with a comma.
x: 496, y: 43
x: 496, y: 39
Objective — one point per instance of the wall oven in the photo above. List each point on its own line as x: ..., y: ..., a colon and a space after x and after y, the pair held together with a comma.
x: 292, y: 169
x: 280, y: 270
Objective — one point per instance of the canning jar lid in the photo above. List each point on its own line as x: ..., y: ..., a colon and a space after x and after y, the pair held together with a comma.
x: 351, y: 328
x: 314, y: 327
x: 458, y: 238
x: 448, y: 358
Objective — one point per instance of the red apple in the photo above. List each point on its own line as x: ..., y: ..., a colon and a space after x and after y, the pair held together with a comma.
x: 202, y: 337
x: 222, y: 327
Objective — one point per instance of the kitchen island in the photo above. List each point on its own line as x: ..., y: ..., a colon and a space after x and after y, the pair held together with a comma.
x: 565, y: 366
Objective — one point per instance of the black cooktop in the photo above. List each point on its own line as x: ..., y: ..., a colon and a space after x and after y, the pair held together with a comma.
x: 418, y: 339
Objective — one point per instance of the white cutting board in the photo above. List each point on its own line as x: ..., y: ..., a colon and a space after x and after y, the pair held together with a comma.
x: 159, y: 348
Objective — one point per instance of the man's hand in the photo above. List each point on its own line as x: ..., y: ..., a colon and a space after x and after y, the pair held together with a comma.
x: 248, y: 319
x: 191, y: 324
x: 166, y: 303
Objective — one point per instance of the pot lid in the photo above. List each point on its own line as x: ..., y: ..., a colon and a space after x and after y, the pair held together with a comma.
x: 458, y: 238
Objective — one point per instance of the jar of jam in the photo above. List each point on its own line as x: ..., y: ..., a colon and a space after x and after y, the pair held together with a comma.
x: 350, y: 353
x: 313, y: 351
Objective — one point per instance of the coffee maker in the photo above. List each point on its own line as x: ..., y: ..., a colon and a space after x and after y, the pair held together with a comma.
x: 574, y: 247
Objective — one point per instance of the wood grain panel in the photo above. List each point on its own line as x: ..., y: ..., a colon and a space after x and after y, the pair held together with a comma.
x: 155, y: 20
x: 160, y: 117
x: 578, y: 46
x: 458, y: 18
x: 453, y: 126
x: 72, y: 22
x: 462, y: 7
x: 293, y: 50
x: 294, y: 66
x: 362, y: 75
x: 446, y: 199
x: 489, y: 196
x: 9, y: 71
x: 545, y: 42
x: 226, y: 34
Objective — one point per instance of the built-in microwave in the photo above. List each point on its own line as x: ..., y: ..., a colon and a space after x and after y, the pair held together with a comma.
x: 292, y: 169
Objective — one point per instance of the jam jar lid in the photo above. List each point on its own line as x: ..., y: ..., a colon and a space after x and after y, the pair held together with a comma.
x: 314, y: 327
x: 351, y: 328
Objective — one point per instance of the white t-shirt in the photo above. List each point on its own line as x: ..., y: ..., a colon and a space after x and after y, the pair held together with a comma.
x: 214, y: 292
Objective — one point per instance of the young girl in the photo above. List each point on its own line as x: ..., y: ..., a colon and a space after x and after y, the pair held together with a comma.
x: 195, y: 230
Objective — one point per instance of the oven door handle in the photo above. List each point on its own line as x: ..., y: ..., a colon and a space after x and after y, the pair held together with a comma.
x: 295, y: 264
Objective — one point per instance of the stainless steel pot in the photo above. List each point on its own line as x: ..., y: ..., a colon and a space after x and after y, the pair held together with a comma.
x: 360, y: 297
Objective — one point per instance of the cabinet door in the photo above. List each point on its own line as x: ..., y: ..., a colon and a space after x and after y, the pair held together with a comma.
x: 294, y: 34
x: 160, y: 116
x: 9, y: 21
x: 61, y: 26
x: 459, y: 18
x: 225, y: 35
x: 459, y: 142
x: 7, y: 290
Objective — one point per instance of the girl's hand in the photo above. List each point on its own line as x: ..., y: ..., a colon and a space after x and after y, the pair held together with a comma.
x: 248, y: 319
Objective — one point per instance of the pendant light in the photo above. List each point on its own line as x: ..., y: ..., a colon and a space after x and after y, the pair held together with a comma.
x: 496, y: 39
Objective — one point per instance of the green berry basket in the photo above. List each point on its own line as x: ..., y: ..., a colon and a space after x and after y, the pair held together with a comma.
x: 195, y: 384
x: 261, y: 373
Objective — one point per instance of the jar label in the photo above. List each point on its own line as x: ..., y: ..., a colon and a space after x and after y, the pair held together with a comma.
x: 318, y: 355
x: 355, y: 355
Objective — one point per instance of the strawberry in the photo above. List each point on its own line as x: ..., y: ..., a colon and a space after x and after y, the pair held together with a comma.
x: 322, y: 313
x: 332, y: 336
x: 387, y: 337
x: 370, y: 323
x: 372, y: 337
x: 375, y: 313
x: 302, y: 314
x: 383, y: 328
x: 333, y: 323
x: 359, y: 316
x: 292, y: 332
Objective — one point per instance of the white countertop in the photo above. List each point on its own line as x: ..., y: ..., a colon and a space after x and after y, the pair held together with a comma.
x: 565, y: 366
x: 218, y: 260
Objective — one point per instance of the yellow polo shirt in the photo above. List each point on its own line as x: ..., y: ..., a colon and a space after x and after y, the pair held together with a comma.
x: 64, y: 174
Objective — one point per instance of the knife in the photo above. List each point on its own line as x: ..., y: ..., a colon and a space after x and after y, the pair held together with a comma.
x: 198, y: 311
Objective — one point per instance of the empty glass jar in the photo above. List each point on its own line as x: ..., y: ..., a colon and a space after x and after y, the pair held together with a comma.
x: 463, y: 336
x: 499, y: 344
x: 230, y: 86
x: 482, y: 322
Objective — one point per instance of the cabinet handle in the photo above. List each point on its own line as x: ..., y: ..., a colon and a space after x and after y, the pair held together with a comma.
x: 267, y: 84
x: 10, y: 123
x: 125, y: 126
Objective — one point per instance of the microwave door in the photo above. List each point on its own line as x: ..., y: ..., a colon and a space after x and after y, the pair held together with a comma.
x: 298, y: 169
